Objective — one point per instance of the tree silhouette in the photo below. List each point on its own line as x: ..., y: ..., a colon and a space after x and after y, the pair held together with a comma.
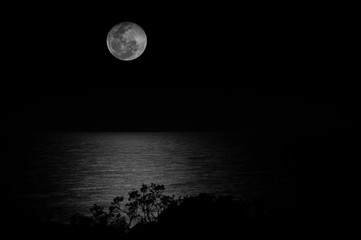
x: 148, y: 213
x: 143, y: 206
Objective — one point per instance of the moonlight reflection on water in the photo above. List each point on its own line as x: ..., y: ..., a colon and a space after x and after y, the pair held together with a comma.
x: 69, y: 172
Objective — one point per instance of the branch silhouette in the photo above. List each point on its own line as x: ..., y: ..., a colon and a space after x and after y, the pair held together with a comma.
x: 143, y: 206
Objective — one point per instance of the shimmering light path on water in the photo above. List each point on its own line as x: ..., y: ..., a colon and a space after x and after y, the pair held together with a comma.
x: 69, y: 172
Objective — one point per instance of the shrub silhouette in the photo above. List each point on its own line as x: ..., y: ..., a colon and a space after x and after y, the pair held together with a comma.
x: 150, y: 214
x: 143, y: 206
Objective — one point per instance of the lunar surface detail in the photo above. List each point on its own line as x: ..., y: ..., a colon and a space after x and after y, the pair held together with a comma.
x: 126, y: 41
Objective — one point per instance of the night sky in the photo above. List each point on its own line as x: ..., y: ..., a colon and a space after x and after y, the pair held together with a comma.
x: 254, y: 69
x: 206, y: 67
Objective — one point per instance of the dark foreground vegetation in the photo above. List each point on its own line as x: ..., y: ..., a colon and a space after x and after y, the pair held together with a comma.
x: 150, y: 214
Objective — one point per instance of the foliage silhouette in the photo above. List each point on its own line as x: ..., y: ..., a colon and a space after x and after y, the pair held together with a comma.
x: 143, y: 206
x: 148, y: 213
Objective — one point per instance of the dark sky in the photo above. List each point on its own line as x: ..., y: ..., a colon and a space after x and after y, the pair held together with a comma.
x: 206, y: 67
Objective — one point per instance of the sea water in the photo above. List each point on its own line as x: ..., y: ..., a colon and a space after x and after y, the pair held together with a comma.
x: 57, y: 175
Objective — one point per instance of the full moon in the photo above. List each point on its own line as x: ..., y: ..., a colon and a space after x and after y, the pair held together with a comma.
x: 126, y: 41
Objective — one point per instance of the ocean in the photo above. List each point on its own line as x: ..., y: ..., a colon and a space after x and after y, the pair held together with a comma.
x: 55, y: 175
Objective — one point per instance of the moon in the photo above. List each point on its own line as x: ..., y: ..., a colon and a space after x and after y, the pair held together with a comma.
x: 126, y: 41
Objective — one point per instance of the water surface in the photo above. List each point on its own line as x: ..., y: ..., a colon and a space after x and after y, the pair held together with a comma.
x: 60, y: 174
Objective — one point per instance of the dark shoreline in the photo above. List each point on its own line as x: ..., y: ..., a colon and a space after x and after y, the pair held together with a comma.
x: 202, y: 216
x: 331, y: 156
